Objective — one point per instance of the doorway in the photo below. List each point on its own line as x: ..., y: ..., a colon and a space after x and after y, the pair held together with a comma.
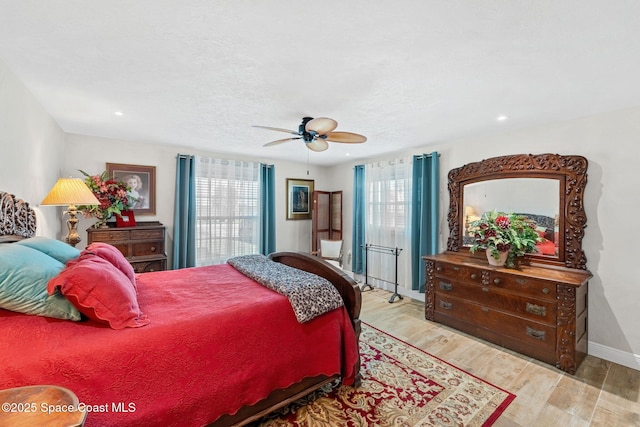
x: 327, y: 217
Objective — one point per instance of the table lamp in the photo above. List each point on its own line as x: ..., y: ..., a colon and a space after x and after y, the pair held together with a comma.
x: 71, y: 192
x: 470, y: 215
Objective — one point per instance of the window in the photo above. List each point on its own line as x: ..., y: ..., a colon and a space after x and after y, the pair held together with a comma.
x: 227, y: 209
x: 388, y: 195
x: 387, y: 204
x: 388, y: 222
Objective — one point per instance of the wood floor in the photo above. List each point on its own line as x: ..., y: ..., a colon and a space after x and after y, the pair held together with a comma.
x: 601, y: 393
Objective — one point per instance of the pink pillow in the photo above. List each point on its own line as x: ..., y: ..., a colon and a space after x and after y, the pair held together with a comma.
x: 114, y: 256
x: 99, y: 291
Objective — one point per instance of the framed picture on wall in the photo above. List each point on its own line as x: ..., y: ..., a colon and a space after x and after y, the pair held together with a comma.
x: 142, y: 180
x: 299, y: 198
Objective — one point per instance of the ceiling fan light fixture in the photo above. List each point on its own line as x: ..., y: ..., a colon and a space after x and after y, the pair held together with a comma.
x: 315, y: 133
x: 317, y: 145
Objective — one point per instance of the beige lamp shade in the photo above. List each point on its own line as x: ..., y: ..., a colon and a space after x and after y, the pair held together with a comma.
x: 70, y: 191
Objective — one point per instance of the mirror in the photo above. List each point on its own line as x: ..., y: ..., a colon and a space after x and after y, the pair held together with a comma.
x: 547, y: 188
x: 540, y: 203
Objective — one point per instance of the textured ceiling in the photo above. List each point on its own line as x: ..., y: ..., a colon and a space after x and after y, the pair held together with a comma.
x: 404, y: 73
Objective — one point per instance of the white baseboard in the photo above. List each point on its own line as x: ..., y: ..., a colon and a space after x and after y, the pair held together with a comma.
x: 620, y: 357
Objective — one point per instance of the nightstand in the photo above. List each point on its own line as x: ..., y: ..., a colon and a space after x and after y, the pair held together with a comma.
x: 40, y: 405
x: 142, y: 245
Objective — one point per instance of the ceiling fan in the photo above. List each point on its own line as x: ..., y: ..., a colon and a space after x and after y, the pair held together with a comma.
x: 315, y: 133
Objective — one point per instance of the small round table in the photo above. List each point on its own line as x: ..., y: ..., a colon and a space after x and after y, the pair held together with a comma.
x: 40, y: 405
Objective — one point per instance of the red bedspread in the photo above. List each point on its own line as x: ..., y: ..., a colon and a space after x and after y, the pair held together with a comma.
x: 217, y: 340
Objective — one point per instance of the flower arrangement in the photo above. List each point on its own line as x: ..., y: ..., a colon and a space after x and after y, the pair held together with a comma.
x: 501, y: 232
x: 112, y: 195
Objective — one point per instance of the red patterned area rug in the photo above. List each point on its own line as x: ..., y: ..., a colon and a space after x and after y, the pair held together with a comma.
x: 402, y: 386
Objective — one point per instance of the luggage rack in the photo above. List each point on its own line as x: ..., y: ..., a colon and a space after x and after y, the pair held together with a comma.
x: 384, y: 250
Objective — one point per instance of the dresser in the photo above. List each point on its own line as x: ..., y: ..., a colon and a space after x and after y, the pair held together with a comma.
x: 539, y: 311
x: 142, y: 245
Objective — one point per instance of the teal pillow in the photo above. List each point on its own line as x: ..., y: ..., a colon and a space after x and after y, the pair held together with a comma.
x: 52, y: 247
x: 24, y: 274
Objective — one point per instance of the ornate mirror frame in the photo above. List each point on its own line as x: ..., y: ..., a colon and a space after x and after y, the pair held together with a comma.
x: 571, y: 171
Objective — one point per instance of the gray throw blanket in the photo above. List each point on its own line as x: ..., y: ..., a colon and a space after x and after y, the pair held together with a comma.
x: 310, y: 295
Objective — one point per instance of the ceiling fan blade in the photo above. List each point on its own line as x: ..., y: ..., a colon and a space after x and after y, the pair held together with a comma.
x: 347, y: 137
x: 321, y: 125
x: 279, y: 141
x: 278, y: 129
x: 317, y: 145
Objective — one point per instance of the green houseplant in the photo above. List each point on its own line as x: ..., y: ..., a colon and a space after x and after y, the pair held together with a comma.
x: 499, y: 232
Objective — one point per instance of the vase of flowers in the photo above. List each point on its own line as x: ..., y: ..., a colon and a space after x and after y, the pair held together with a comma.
x: 111, y: 194
x: 504, y: 237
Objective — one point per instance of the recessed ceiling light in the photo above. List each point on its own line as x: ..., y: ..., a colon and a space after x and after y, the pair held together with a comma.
x: 502, y: 118
x: 118, y: 113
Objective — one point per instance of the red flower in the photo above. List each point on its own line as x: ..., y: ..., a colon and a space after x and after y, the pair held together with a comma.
x: 503, y: 222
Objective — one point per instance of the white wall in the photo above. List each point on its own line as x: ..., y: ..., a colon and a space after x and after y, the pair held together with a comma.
x: 32, y: 147
x: 91, y: 154
x: 611, y: 143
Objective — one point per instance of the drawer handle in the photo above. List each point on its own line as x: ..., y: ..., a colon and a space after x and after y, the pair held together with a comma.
x: 446, y: 286
x: 496, y: 280
x: 456, y: 268
x: 546, y: 291
x: 485, y: 309
x: 439, y: 268
x: 538, y: 310
x: 533, y: 333
x: 446, y: 305
x: 474, y: 276
x: 153, y: 248
x: 521, y: 281
x: 485, y: 289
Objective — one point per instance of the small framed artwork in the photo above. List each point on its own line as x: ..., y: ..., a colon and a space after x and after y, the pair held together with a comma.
x: 142, y: 181
x: 299, y: 198
x: 126, y: 219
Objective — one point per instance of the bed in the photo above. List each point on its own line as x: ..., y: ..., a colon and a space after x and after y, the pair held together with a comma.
x: 205, y: 346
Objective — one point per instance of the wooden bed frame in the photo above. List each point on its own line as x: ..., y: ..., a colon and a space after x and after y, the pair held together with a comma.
x: 18, y: 221
x: 350, y: 292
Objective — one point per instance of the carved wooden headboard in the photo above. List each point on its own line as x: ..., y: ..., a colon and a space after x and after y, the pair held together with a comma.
x: 17, y: 219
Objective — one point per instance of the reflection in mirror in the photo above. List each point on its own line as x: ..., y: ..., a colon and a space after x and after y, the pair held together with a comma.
x: 539, y: 203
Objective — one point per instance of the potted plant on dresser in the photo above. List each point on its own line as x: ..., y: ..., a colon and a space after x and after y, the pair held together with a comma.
x: 504, y: 237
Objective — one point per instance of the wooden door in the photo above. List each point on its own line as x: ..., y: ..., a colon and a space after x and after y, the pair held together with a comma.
x: 327, y: 217
x: 336, y: 215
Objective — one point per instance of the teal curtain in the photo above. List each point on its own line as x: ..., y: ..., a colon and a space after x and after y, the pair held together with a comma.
x: 184, y: 219
x: 424, y: 214
x: 267, y: 209
x: 358, y: 237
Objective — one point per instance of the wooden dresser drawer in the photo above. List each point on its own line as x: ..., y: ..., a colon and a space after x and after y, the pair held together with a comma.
x: 524, y: 330
x: 148, y: 266
x: 522, y: 284
x: 149, y: 234
x: 458, y: 272
x: 540, y: 310
x: 147, y: 248
x: 109, y: 235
